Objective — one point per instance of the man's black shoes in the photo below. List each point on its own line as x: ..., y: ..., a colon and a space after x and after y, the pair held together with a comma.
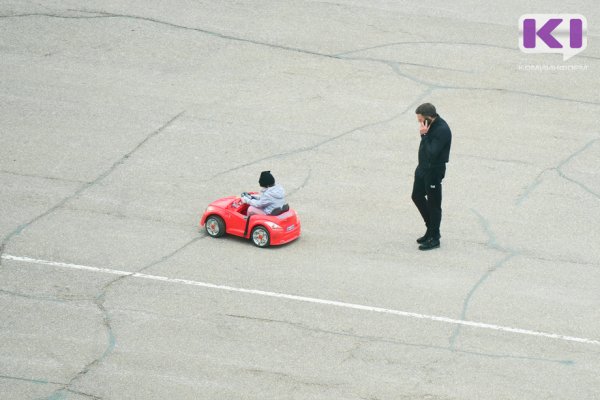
x: 430, y: 244
x: 424, y: 238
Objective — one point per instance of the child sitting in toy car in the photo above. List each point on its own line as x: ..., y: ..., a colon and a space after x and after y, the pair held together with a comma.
x: 271, y: 198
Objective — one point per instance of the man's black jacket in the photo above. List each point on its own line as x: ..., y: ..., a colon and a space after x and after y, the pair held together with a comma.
x: 434, y: 149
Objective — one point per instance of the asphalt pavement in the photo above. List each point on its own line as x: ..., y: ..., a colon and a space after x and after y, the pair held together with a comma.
x: 121, y: 121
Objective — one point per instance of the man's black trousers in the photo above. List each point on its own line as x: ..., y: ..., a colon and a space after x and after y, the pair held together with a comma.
x: 427, y: 196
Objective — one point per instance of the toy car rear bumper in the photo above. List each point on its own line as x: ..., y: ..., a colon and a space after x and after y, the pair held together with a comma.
x: 283, y: 237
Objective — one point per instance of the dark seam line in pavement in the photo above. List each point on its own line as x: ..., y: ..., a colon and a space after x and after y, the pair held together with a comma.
x: 531, y: 187
x: 387, y: 62
x: 469, y: 297
x: 376, y: 339
x: 83, y: 188
x: 558, y: 168
x: 474, y: 44
x: 519, y: 92
x: 91, y: 396
x: 36, y: 381
x: 99, y: 301
x: 42, y: 298
x: 295, y: 379
x: 51, y: 16
x: 299, y: 188
x: 396, y: 68
x: 172, y: 254
x: 581, y: 185
x: 323, y: 142
x: 125, y: 216
x: 569, y: 159
x: 101, y: 297
x: 423, y: 42
x: 102, y: 14
x: 580, y: 263
x: 498, y: 160
x: 43, y: 177
x: 60, y: 395
x: 492, y: 243
x: 211, y: 33
x: 152, y: 264
x: 112, y: 342
x: 281, y: 155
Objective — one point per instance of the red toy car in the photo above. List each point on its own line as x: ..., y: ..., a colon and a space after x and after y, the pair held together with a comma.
x: 228, y: 215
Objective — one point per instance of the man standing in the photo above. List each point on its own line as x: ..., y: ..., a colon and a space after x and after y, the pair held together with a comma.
x: 434, y: 151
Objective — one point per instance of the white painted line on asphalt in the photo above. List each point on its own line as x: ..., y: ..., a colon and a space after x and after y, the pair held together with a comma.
x: 473, y: 324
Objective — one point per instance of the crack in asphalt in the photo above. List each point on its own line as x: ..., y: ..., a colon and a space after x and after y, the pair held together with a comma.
x: 62, y: 395
x: 100, y: 300
x: 107, y: 15
x: 129, y: 217
x: 302, y: 185
x: 379, y: 339
x: 305, y: 381
x: 156, y: 262
x: 102, y: 14
x: 498, y: 160
x: 396, y: 67
x: 351, y: 352
x: 493, y: 244
x: 392, y: 44
x: 315, y: 146
x: 112, y: 342
x: 388, y: 62
x: 30, y: 380
x: 51, y: 178
x: 532, y: 256
x: 339, y: 56
x: 434, y: 86
x: 17, y: 231
x: 56, y: 299
x: 558, y: 168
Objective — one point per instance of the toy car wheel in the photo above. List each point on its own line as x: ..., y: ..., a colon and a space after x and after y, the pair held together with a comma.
x: 215, y: 226
x: 260, y: 236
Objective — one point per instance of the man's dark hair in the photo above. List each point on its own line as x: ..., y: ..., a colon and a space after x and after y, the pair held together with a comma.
x: 426, y: 110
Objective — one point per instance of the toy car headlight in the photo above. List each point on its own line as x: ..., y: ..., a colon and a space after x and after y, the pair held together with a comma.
x: 272, y: 225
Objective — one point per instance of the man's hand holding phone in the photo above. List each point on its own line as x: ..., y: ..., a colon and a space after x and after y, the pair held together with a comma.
x: 424, y: 127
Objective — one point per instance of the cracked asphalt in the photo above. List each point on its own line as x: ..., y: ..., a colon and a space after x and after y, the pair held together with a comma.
x: 121, y: 122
